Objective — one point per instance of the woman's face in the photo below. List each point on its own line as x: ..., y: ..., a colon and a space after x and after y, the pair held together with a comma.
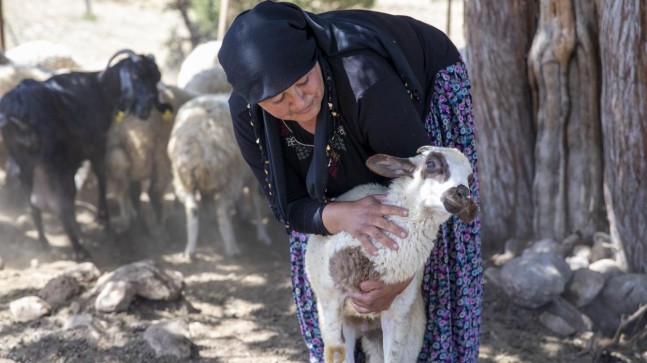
x: 301, y: 102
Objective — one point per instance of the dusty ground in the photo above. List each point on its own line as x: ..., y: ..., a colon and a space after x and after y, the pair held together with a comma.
x: 239, y: 310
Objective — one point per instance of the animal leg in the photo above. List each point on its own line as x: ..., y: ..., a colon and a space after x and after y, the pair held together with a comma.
x: 261, y: 230
x: 37, y: 217
x: 350, y: 337
x: 99, y: 168
x: 67, y: 216
x: 403, y: 325
x: 135, y: 189
x: 156, y: 195
x: 226, y: 228
x: 192, y: 225
x: 330, y: 323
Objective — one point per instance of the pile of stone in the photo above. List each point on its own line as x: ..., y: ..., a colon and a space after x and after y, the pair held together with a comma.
x: 577, y: 285
x: 111, y: 292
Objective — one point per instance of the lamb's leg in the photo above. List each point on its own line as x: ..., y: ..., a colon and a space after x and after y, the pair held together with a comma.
x: 403, y: 325
x: 350, y: 337
x: 372, y: 347
x: 261, y: 231
x: 223, y: 208
x: 192, y: 225
x: 330, y: 323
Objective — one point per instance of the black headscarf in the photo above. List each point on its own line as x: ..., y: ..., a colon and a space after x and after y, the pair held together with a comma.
x: 271, y: 46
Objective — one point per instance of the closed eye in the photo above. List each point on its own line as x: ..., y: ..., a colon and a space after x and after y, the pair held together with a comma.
x: 279, y: 100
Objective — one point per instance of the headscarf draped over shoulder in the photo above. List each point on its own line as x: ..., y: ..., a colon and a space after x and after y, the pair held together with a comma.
x: 269, y: 47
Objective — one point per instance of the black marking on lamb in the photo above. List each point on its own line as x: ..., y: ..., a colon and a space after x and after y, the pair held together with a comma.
x: 436, y: 167
x: 349, y: 267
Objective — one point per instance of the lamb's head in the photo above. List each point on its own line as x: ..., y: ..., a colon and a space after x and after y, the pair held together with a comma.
x: 436, y: 179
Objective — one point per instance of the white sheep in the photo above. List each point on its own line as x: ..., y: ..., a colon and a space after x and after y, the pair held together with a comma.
x: 201, y: 72
x: 136, y: 155
x: 48, y: 55
x: 207, y: 164
x: 433, y: 186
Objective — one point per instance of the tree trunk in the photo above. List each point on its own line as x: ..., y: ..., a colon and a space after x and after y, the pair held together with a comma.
x: 563, y: 71
x: 498, y: 37
x: 623, y: 44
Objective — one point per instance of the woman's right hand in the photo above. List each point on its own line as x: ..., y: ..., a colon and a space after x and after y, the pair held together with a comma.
x: 365, y: 220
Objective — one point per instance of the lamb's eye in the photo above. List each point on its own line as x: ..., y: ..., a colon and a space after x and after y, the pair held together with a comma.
x: 431, y: 164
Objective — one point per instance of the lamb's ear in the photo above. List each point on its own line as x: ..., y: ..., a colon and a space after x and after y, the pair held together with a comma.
x: 390, y: 166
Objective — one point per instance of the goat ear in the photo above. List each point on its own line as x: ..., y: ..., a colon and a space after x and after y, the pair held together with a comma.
x: 390, y: 166
x: 127, y: 90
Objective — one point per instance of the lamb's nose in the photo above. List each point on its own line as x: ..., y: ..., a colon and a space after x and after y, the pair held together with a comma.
x: 463, y: 191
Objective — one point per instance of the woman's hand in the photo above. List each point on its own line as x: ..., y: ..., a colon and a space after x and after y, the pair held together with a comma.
x: 364, y: 220
x: 376, y: 296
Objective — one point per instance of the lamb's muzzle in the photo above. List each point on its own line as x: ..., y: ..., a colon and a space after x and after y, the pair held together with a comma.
x: 458, y: 201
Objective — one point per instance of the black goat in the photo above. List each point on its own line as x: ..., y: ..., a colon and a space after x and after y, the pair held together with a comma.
x: 51, y: 127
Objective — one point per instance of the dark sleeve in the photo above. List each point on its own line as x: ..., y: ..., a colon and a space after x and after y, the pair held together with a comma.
x: 389, y: 121
x: 303, y: 213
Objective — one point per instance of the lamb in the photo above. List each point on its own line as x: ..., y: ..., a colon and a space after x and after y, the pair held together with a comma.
x: 206, y: 163
x: 51, y: 127
x: 136, y: 154
x: 201, y: 72
x: 433, y: 186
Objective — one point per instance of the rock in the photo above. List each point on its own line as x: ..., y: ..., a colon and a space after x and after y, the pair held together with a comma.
x: 1, y: 263
x: 59, y: 290
x: 493, y: 276
x: 29, y: 308
x: 556, y: 324
x: 115, y: 296
x: 583, y: 287
x: 514, y: 247
x: 542, y: 246
x: 84, y: 273
x: 607, y: 267
x: 577, y: 262
x: 565, y: 310
x: 148, y: 280
x: 534, y: 279
x: 602, y: 247
x: 169, y: 338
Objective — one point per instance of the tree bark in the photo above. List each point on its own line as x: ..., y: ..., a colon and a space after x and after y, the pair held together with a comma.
x: 498, y: 37
x: 623, y: 48
x: 563, y: 70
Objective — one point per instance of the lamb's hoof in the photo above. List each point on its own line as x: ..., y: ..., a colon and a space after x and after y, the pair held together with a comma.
x: 334, y: 354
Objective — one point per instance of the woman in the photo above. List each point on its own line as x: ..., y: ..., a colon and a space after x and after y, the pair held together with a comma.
x: 313, y: 97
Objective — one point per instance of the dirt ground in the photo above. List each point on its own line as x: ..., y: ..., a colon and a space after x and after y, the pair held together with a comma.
x: 238, y: 309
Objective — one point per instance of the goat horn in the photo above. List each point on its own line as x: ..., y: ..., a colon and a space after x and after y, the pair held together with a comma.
x: 123, y: 51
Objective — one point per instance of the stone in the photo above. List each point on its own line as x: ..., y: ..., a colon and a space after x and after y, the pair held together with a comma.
x: 556, y: 324
x: 59, y: 290
x: 170, y: 338
x: 534, y: 279
x: 583, y: 287
x: 493, y: 276
x: 546, y: 245
x: 84, y: 273
x: 115, y: 296
x: 565, y: 310
x: 28, y: 308
x: 607, y: 267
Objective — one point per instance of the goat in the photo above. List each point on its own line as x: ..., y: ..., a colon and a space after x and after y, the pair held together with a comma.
x: 206, y: 163
x: 51, y: 127
x: 433, y: 186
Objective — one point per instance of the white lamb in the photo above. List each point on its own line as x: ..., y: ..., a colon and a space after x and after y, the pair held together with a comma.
x: 207, y: 164
x: 433, y: 185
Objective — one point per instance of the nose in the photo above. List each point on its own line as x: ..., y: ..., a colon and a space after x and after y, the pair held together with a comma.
x: 463, y: 191
x: 299, y: 98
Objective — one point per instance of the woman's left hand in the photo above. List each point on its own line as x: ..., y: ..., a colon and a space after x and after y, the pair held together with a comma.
x: 376, y: 296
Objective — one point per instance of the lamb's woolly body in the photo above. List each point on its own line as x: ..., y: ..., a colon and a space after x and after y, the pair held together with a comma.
x: 428, y: 184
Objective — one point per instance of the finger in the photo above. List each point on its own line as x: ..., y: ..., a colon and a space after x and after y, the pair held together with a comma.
x: 368, y: 245
x: 385, y: 240
x: 370, y: 285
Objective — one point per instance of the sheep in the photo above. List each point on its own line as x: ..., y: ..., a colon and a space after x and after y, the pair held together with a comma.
x: 48, y: 55
x: 136, y: 153
x: 201, y: 72
x: 433, y: 186
x: 206, y: 162
x: 51, y: 127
